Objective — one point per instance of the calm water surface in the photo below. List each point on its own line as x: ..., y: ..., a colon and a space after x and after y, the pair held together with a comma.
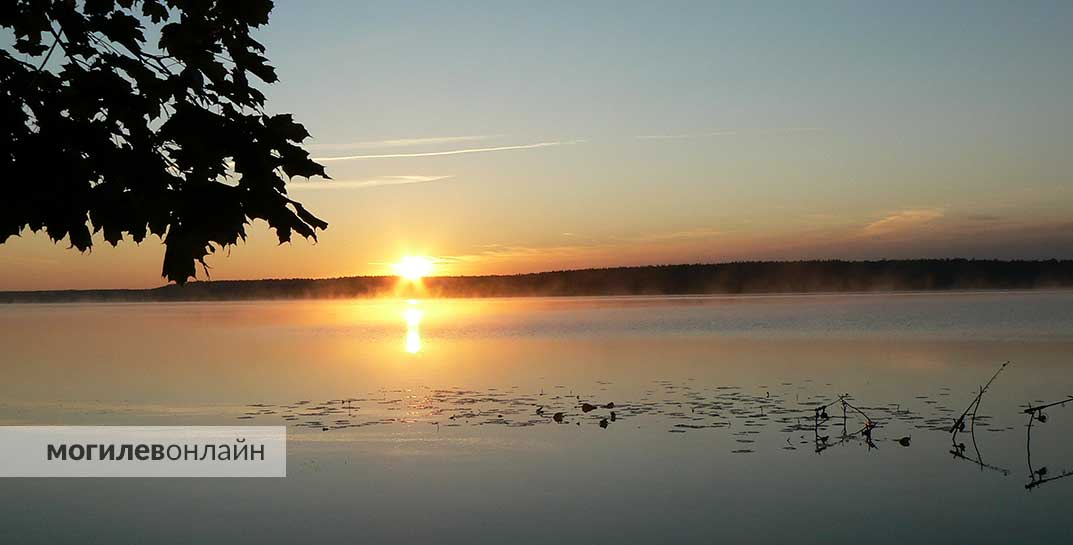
x: 432, y: 421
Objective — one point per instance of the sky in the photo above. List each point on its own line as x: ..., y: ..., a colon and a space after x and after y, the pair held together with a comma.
x: 503, y: 137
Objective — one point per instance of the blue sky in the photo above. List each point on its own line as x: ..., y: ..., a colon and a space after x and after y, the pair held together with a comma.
x: 605, y: 133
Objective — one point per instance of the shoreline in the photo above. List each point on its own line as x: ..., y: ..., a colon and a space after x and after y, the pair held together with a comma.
x: 744, y: 279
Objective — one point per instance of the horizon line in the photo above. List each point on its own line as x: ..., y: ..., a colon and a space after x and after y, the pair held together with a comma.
x: 551, y: 271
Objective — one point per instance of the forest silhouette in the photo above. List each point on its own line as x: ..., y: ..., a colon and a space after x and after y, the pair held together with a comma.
x: 725, y: 278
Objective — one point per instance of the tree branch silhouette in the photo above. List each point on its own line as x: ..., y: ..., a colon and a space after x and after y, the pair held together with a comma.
x: 126, y: 140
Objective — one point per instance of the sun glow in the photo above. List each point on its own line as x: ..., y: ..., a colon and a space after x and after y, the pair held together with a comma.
x: 413, y: 267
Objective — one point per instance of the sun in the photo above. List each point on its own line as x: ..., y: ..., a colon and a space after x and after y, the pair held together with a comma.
x: 413, y: 267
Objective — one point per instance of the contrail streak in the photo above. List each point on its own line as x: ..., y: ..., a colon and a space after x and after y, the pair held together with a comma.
x: 439, y: 153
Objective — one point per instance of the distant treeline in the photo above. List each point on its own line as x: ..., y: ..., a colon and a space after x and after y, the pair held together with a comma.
x: 723, y: 278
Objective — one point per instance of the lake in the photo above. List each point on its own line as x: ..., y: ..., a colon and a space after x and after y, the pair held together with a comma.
x: 435, y: 421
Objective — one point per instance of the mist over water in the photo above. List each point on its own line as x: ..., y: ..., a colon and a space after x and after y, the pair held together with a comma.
x: 435, y: 420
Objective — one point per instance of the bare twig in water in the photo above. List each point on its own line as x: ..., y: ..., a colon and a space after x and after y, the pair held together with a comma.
x: 1037, y: 477
x: 959, y: 424
x: 959, y: 453
x: 1032, y: 409
x: 1040, y: 480
x: 958, y: 449
x: 820, y: 417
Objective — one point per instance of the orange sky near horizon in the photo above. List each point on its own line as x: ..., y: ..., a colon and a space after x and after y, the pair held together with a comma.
x: 33, y: 262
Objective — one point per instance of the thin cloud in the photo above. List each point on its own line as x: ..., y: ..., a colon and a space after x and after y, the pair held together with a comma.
x: 985, y: 218
x: 687, y: 135
x: 785, y: 130
x: 377, y: 181
x: 589, y: 247
x: 901, y: 221
x: 775, y: 130
x: 404, y: 142
x: 503, y: 252
x: 690, y: 234
x: 448, y: 152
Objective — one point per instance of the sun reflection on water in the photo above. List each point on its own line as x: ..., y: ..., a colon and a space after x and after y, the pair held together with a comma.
x: 413, y: 317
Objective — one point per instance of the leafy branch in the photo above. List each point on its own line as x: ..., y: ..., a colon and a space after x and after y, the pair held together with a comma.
x: 124, y: 139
